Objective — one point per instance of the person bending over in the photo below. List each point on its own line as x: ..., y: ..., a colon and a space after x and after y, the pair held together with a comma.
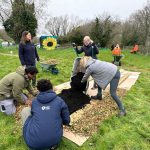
x: 12, y: 86
x: 103, y: 73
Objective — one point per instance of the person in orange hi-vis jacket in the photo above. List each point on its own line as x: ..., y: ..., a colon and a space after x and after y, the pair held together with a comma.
x: 135, y: 49
x: 116, y: 52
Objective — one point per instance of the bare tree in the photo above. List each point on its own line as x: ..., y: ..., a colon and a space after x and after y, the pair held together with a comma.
x: 142, y: 19
x: 54, y: 26
x: 61, y: 25
x: 65, y: 25
x: 6, y: 8
x: 4, y: 36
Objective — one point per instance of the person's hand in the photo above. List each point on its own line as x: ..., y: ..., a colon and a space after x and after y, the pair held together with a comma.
x: 24, y: 66
x: 28, y: 102
x: 93, y: 44
x: 74, y: 44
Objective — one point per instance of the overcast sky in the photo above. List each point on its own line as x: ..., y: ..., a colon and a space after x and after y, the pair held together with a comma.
x: 91, y: 8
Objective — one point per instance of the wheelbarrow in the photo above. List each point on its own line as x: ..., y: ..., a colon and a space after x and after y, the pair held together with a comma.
x: 49, y: 68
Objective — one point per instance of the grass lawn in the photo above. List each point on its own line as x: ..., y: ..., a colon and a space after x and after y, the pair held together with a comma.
x: 127, y: 133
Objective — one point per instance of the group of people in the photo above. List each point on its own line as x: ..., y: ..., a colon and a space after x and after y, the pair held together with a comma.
x: 102, y: 72
x: 46, y: 114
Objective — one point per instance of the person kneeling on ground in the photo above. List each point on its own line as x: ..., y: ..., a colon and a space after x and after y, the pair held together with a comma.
x: 11, y: 88
x: 103, y: 73
x: 43, y: 122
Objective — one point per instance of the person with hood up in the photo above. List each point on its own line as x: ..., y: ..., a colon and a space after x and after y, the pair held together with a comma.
x: 43, y: 122
x: 103, y: 73
x: 11, y: 88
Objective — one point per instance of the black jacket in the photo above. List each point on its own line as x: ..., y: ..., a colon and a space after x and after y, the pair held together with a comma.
x: 89, y: 50
x: 28, y: 54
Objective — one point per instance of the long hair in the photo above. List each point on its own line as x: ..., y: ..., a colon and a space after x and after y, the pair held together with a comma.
x: 83, y: 63
x: 23, y: 37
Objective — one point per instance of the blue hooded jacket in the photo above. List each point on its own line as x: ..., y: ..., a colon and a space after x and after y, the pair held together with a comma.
x: 43, y: 128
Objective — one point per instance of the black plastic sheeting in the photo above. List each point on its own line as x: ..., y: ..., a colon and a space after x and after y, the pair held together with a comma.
x: 74, y: 97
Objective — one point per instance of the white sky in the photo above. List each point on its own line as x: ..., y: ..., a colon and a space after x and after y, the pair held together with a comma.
x: 88, y: 9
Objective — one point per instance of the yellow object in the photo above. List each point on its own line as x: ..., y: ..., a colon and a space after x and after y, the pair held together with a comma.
x: 49, y: 43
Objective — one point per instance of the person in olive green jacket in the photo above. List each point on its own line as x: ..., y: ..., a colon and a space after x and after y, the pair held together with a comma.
x: 11, y: 88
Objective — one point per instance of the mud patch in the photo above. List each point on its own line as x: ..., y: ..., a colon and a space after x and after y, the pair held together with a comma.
x: 74, y: 99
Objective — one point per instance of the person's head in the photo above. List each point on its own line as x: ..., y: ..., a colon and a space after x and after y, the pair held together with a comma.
x: 83, y: 61
x: 44, y: 85
x: 87, y: 40
x: 26, y: 36
x: 31, y: 72
x: 117, y: 45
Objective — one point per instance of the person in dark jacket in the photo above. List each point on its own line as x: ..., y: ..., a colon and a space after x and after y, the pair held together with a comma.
x: 27, y: 52
x: 43, y: 127
x: 90, y: 49
x: 103, y: 73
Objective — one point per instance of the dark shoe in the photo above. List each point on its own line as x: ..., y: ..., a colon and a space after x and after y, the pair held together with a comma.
x: 121, y: 113
x: 97, y: 97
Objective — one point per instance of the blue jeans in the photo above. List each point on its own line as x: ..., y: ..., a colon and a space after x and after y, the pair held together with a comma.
x: 113, y: 88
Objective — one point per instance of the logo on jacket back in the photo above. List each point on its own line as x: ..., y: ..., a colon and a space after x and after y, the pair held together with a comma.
x: 45, y: 107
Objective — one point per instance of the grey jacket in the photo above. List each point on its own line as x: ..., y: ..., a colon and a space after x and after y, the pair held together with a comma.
x: 101, y: 71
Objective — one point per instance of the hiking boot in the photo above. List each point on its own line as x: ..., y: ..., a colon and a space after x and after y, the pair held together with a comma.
x: 96, y: 97
x: 121, y: 113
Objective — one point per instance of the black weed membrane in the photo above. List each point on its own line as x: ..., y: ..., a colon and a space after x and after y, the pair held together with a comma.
x: 74, y: 97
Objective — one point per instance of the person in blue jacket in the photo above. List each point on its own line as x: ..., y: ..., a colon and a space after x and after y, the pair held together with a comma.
x: 28, y: 52
x: 43, y: 122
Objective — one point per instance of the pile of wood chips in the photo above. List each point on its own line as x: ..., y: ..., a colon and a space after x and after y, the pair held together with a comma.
x: 87, y: 120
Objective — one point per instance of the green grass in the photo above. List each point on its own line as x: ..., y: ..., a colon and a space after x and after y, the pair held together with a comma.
x: 127, y: 133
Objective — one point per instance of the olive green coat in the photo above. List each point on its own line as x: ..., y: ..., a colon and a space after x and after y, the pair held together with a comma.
x: 12, y: 85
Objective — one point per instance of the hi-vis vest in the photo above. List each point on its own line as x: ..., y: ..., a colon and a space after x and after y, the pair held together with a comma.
x: 116, y: 51
x: 135, y: 48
